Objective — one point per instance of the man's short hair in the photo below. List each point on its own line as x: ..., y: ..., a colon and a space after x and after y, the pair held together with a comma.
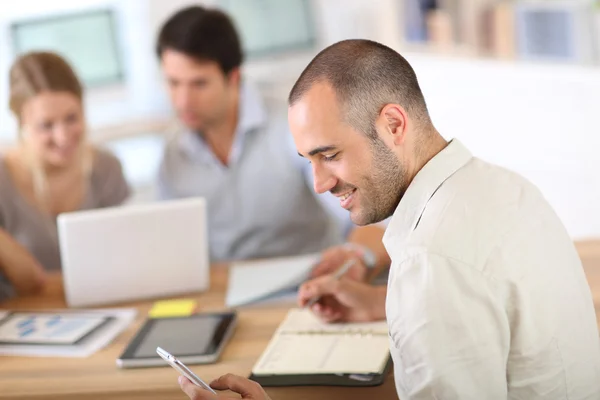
x: 365, y: 76
x: 204, y: 34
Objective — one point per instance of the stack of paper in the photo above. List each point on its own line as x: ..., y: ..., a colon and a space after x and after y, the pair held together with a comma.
x: 250, y: 282
x: 61, y: 333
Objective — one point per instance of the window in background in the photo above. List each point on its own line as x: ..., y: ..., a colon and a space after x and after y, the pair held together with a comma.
x: 270, y: 27
x: 560, y: 30
x: 87, y: 40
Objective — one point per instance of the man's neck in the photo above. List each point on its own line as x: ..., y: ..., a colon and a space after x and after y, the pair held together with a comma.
x: 220, y: 137
x: 434, y: 144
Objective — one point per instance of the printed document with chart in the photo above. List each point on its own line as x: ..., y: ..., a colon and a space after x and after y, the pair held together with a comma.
x: 61, y: 333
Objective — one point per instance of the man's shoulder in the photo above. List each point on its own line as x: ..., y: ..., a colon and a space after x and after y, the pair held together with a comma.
x: 276, y: 111
x: 488, y: 188
x: 272, y: 100
x: 173, y: 138
x: 484, y: 171
x: 174, y: 148
x: 476, y: 209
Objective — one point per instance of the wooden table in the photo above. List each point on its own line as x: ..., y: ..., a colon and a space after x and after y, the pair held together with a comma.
x: 97, y: 377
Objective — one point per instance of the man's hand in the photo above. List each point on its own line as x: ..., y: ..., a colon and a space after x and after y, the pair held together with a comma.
x: 246, y: 388
x: 334, y: 257
x: 344, y: 300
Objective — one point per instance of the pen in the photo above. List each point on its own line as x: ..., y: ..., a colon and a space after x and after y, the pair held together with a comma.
x: 338, y: 275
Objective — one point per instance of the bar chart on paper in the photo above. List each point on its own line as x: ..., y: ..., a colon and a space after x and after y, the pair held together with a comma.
x: 26, y: 328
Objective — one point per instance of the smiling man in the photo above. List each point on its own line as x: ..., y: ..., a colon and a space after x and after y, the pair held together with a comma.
x: 487, y: 298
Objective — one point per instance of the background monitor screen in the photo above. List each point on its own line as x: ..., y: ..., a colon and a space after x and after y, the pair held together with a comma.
x: 270, y: 27
x: 88, y: 41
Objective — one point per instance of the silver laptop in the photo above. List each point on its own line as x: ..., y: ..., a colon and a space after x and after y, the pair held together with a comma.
x: 134, y: 252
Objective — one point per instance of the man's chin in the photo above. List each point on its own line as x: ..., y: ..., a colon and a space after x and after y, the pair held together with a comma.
x: 192, y: 124
x: 194, y: 127
x: 358, y: 218
x: 361, y: 218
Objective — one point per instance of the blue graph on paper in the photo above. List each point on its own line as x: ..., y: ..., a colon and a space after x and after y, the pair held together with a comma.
x: 47, y: 328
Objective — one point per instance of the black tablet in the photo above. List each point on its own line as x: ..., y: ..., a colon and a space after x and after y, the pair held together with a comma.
x: 196, y: 339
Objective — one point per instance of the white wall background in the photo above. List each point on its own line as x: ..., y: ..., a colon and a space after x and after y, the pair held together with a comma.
x: 539, y: 120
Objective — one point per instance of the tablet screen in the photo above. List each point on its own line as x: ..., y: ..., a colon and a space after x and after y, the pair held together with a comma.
x: 183, y: 336
x: 180, y: 336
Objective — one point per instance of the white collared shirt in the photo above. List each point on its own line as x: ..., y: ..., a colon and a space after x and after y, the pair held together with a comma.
x: 487, y: 298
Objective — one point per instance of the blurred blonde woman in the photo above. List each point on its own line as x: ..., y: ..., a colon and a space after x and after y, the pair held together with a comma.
x: 52, y: 170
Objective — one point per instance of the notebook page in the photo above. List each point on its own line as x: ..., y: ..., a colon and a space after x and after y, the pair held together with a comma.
x: 299, y: 354
x: 304, y: 321
x: 305, y: 345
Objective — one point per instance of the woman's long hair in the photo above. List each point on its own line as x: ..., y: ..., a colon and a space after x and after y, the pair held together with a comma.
x: 30, y: 75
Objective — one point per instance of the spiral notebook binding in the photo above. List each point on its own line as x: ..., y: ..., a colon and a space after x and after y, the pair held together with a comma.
x: 350, y: 332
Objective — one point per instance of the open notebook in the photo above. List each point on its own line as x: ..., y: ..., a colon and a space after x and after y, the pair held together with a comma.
x: 305, y: 351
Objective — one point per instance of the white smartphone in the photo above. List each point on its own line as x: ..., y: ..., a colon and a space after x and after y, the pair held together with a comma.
x: 183, y: 369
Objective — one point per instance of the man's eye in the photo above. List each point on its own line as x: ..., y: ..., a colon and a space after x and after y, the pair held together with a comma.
x: 330, y: 158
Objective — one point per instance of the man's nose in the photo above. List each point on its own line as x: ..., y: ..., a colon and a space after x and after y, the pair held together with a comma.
x: 323, y: 179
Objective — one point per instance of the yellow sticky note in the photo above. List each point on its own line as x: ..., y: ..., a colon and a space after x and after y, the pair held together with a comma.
x: 172, y: 308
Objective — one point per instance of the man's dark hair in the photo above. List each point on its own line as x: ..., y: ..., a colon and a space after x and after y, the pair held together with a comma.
x: 365, y: 76
x: 204, y: 34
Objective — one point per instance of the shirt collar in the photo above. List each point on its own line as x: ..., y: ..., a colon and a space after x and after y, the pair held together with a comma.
x: 427, y: 181
x: 251, y: 115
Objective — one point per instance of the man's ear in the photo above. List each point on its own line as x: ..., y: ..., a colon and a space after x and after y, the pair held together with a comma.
x: 392, y: 124
x: 234, y: 76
